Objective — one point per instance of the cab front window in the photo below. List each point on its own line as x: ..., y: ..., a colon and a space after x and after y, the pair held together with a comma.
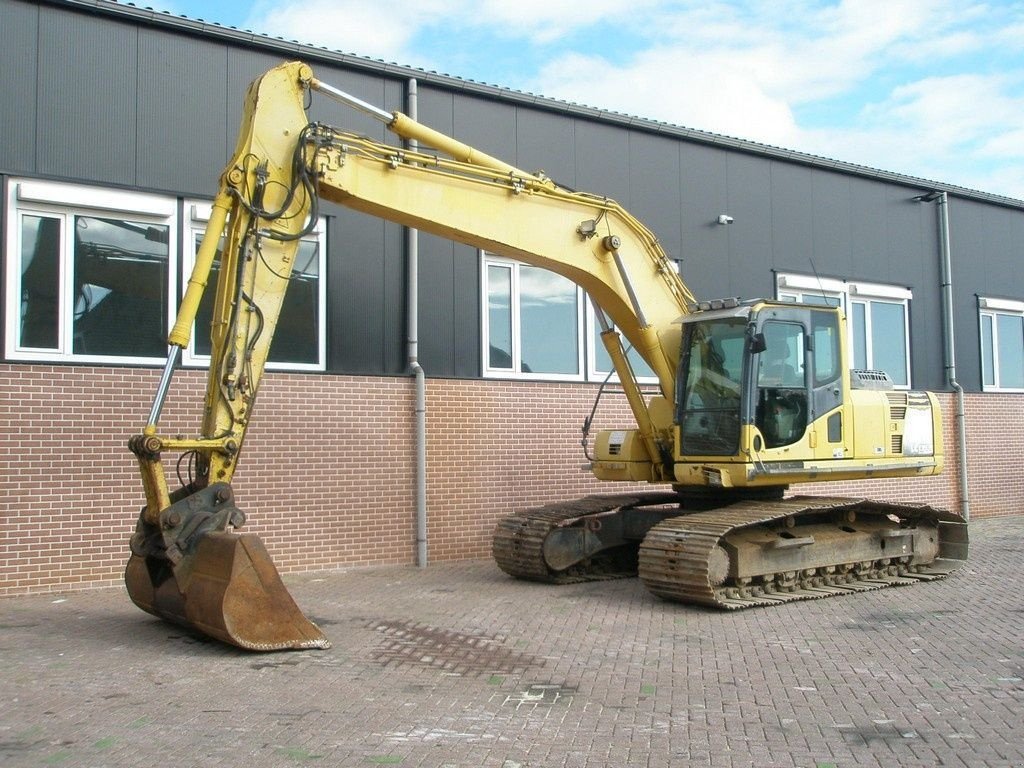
x: 709, y: 411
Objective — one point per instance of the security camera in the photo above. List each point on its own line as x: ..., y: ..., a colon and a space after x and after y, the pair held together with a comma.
x: 724, y: 218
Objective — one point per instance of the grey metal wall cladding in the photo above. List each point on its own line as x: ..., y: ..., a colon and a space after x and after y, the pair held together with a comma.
x: 438, y: 336
x: 654, y: 189
x: 868, y: 216
x: 366, y: 264
x: 544, y: 142
x: 19, y: 30
x: 830, y: 219
x: 182, y: 121
x: 385, y: 94
x: 750, y: 248
x: 486, y: 125
x: 987, y: 244
x: 602, y: 160
x: 242, y: 67
x: 704, y: 195
x: 449, y: 273
x: 88, y: 102
x: 792, y: 230
x: 466, y: 312
x: 436, y: 109
x: 366, y: 308
x: 106, y: 99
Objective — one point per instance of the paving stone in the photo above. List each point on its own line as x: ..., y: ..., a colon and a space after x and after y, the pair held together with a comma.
x: 458, y: 666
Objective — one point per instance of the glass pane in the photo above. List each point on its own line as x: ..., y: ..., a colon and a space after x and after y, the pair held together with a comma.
x: 1010, y: 335
x: 710, y: 407
x: 40, y: 282
x: 548, y: 315
x: 988, y: 374
x: 858, y: 323
x: 825, y: 328
x: 781, y: 414
x: 297, y: 337
x: 204, y: 316
x: 499, y: 317
x: 298, y: 329
x: 820, y: 300
x: 603, y: 363
x: 120, y: 289
x: 889, y: 340
x: 781, y: 364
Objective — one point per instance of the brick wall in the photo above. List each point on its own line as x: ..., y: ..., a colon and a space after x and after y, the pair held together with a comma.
x: 327, y: 473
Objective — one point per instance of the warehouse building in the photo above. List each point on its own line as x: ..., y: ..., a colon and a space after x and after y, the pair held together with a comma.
x: 115, y: 122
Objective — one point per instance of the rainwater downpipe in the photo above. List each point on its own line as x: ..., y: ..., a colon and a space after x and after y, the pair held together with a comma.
x: 412, y: 248
x: 942, y: 201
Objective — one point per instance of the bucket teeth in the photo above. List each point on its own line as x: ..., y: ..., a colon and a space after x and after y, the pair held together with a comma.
x: 234, y: 595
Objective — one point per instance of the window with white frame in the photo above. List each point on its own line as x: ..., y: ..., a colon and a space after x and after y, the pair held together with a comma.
x: 532, y: 322
x: 878, y: 318
x: 599, y: 361
x: 299, y: 341
x: 89, y: 273
x: 1002, y: 344
x: 535, y: 326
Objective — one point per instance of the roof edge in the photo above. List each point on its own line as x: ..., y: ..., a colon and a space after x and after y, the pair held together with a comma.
x: 305, y: 51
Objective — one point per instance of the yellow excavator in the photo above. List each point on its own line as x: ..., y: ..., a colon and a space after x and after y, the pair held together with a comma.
x: 752, y: 396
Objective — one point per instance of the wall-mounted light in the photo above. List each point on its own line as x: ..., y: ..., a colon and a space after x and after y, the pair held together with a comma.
x: 724, y: 218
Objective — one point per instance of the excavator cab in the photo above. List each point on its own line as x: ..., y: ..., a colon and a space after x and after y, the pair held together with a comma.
x: 710, y: 403
x: 772, y: 367
x: 766, y: 396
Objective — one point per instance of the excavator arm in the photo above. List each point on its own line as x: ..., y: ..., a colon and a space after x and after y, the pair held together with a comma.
x: 189, y: 563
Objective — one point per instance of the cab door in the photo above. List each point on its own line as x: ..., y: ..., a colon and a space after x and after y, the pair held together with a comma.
x: 797, y: 375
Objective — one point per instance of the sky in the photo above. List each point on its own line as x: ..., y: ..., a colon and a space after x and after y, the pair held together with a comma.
x: 927, y: 88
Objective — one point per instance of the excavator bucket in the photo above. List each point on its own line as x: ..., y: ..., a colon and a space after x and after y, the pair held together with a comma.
x: 224, y: 585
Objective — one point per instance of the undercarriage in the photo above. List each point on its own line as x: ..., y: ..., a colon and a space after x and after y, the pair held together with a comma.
x: 748, y: 553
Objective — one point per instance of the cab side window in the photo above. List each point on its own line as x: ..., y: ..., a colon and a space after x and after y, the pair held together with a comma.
x: 825, y: 332
x: 781, y: 413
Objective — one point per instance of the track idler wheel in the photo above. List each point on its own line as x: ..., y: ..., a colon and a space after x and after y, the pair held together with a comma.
x: 197, y: 571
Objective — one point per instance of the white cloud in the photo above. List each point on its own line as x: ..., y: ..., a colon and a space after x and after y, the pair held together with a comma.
x: 713, y: 95
x: 387, y: 28
x: 751, y: 74
x: 545, y: 21
x: 929, y: 104
x: 740, y: 70
x: 957, y: 110
x: 1006, y: 144
x: 381, y: 29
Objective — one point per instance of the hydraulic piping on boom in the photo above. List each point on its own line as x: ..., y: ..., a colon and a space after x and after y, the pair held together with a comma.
x: 752, y: 396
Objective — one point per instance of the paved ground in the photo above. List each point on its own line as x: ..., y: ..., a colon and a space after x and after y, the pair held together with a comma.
x: 461, y: 666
